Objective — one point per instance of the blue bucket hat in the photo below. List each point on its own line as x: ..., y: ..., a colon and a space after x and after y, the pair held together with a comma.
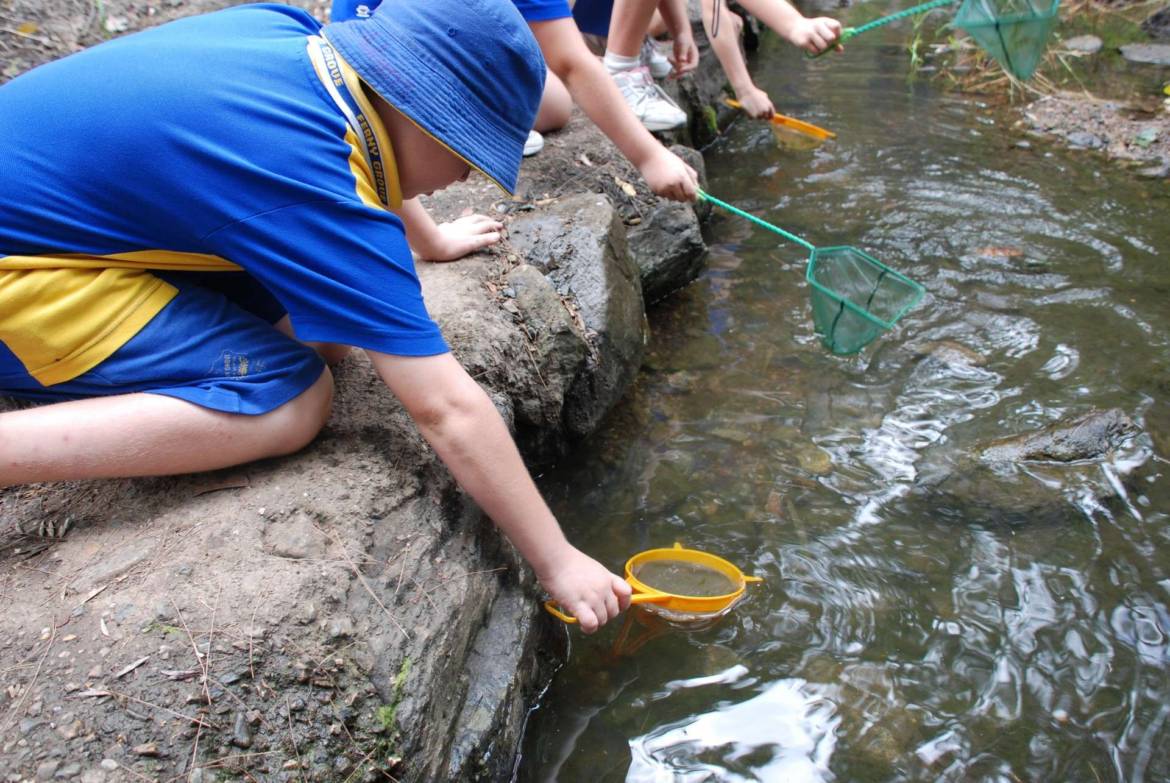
x: 468, y: 72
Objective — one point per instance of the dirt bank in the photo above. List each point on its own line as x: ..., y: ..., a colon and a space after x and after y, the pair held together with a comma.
x: 345, y: 613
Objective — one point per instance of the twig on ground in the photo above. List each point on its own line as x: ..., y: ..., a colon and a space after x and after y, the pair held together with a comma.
x: 29, y: 36
x: 16, y: 705
x: 293, y: 738
x: 131, y: 667
x: 135, y: 772
x: 119, y: 695
x: 357, y: 573
x: 195, y: 649
x: 251, y: 631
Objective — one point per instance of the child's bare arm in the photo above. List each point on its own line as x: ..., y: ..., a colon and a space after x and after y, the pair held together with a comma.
x: 460, y: 422
x: 812, y: 35
x: 597, y: 95
x: 678, y: 24
x: 726, y: 46
x: 432, y: 241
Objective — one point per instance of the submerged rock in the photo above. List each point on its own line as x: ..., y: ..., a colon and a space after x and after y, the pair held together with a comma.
x: 951, y: 353
x: 1024, y: 479
x: 1084, y: 44
x: 1148, y: 53
x: 1157, y: 24
x: 1080, y: 138
x: 1071, y: 439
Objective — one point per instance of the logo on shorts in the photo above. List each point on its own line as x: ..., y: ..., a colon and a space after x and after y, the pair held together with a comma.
x: 235, y: 365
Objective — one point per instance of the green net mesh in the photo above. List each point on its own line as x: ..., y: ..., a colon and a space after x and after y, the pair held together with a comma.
x: 856, y: 297
x: 1014, y: 32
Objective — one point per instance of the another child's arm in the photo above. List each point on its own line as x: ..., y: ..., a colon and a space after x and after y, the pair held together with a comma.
x: 678, y: 23
x: 813, y: 35
x: 433, y: 241
x: 597, y: 95
x: 460, y: 422
x: 726, y: 46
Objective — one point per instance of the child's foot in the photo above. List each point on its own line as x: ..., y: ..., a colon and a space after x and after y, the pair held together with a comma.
x: 653, y: 58
x: 534, y: 144
x: 649, y: 102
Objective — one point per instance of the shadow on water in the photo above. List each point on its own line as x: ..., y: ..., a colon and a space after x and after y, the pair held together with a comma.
x: 924, y: 616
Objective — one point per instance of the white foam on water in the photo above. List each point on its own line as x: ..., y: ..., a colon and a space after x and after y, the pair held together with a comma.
x: 932, y: 402
x: 788, y: 730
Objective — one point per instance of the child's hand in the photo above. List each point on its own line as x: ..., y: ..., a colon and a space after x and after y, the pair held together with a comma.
x: 815, y: 35
x: 460, y: 237
x: 685, y: 57
x: 669, y: 176
x: 585, y: 589
x: 756, y: 103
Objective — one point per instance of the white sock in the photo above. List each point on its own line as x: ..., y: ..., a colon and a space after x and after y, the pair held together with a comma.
x: 616, y: 63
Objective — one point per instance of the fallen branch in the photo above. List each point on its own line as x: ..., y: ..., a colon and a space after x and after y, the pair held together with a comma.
x: 131, y: 667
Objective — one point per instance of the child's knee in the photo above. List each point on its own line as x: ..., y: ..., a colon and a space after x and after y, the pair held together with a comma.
x: 293, y: 425
x: 556, y: 106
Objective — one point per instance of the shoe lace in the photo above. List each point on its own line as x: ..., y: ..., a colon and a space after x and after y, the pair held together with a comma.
x: 635, y: 84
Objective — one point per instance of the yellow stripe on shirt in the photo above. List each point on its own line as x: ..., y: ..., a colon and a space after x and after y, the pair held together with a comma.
x: 371, y: 157
x: 62, y: 323
x: 66, y: 313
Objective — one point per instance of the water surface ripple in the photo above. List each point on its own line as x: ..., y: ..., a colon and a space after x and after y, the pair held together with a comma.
x: 923, y: 616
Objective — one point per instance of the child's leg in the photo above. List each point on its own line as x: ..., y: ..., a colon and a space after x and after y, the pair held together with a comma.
x: 628, y: 22
x: 628, y: 26
x: 657, y: 27
x: 150, y: 435
x: 556, y: 105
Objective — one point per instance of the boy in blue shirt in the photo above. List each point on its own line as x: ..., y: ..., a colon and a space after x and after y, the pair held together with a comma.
x: 186, y: 205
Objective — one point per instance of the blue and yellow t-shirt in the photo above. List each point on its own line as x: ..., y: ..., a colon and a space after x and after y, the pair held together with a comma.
x: 531, y: 10
x: 231, y: 140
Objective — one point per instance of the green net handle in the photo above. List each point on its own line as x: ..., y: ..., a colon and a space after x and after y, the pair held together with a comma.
x: 762, y: 223
x: 921, y: 8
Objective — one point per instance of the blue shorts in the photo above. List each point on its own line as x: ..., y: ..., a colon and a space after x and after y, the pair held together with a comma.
x: 213, y: 345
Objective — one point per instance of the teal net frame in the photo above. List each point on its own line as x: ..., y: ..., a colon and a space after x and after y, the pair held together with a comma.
x: 846, y: 322
x: 1014, y: 32
x: 877, y: 298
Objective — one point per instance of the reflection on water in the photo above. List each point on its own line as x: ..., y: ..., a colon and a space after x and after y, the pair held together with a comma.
x: 782, y: 733
x: 925, y: 615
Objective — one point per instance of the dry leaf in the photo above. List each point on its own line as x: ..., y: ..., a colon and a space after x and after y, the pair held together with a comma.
x: 28, y: 28
x: 1000, y: 252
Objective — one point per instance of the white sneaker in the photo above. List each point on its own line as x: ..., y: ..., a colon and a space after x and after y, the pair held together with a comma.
x: 534, y: 144
x: 649, y: 102
x: 653, y: 58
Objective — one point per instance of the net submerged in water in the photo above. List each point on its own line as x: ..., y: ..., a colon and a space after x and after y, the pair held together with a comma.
x: 856, y: 297
x: 1014, y: 32
x: 683, y: 578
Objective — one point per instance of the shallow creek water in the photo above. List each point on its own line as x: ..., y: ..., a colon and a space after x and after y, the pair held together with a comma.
x: 988, y: 625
